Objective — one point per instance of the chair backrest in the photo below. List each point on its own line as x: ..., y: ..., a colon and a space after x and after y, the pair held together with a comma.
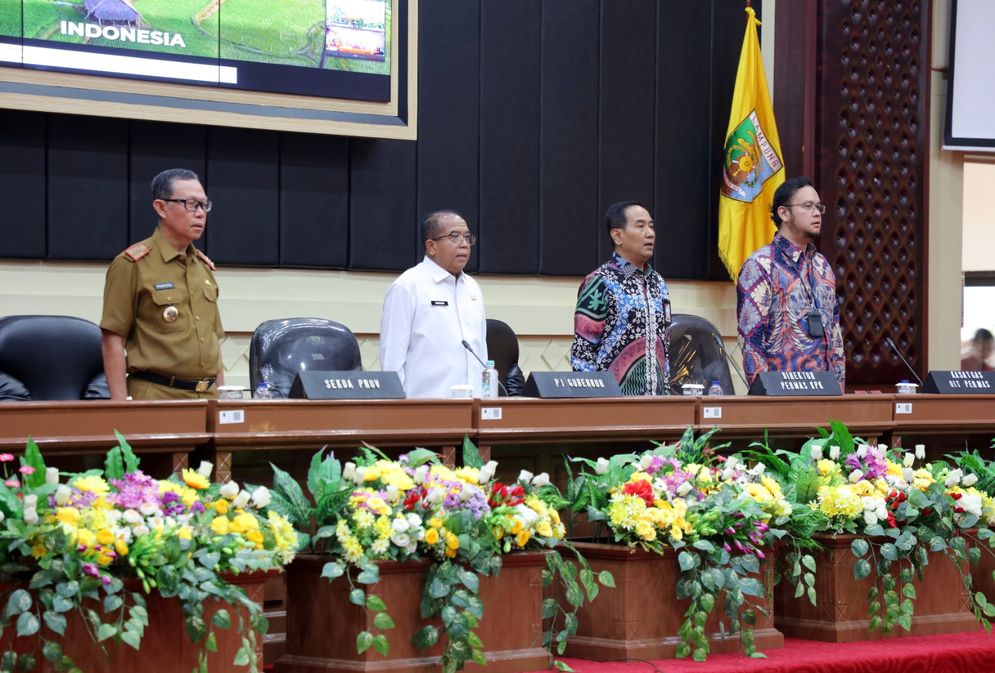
x: 502, y: 347
x: 50, y: 357
x: 695, y: 354
x: 281, y: 348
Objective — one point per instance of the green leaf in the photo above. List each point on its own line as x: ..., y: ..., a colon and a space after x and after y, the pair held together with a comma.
x: 32, y: 458
x: 425, y: 637
x: 105, y: 631
x: 471, y: 456
x: 222, y: 619
x: 357, y: 597
x: 27, y: 624
x: 889, y: 551
x: 375, y: 603
x: 244, y: 655
x: 134, y: 639
x: 750, y: 563
x: 287, y: 486
x: 470, y: 580
x: 369, y: 575
x: 549, y: 607
x: 974, y: 554
x: 562, y: 666
x: 52, y: 651
x: 332, y: 569
x: 686, y: 560
x: 111, y: 603
x: 937, y: 543
x: 62, y: 604
x: 55, y: 622
x: 704, y: 545
x: 909, y: 591
x: 363, y: 641
x: 861, y: 569
x: 859, y: 547
x: 18, y: 601
x: 380, y: 644
x: 383, y: 621
x: 905, y: 621
x: 606, y: 579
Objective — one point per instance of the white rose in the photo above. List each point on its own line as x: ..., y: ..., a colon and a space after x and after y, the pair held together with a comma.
x: 349, y: 471
x: 132, y: 517
x: 414, y: 521
x: 645, y: 462
x: 30, y: 501
x: 870, y: 518
x: 602, y: 466
x: 2, y: 516
x: 435, y: 496
x: 758, y: 469
x: 401, y: 539
x: 399, y: 525
x: 204, y: 469
x: 953, y: 478
x: 525, y: 476
x: 856, y: 476
x: 882, y: 448
x: 834, y: 452
x: 392, y: 492
x: 113, y: 515
x: 149, y: 509
x: 62, y: 495
x: 420, y: 474
x: 816, y: 453
x: 921, y: 451
x: 30, y: 516
x: 969, y: 480
x: 359, y: 476
x: 732, y: 462
x: 230, y: 490
x: 908, y: 475
x: 862, y: 451
x: 882, y: 512
x: 156, y: 522
x: 241, y: 500
x: 684, y: 489
x: 908, y: 459
x: 540, y: 480
x: 141, y: 530
x: 261, y: 497
x: 51, y: 475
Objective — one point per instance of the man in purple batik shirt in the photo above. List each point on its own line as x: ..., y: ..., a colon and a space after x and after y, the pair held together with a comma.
x: 789, y: 319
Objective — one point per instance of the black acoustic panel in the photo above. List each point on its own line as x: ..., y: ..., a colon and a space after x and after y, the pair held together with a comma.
x: 244, y: 176
x: 448, y: 114
x: 314, y: 200
x: 571, y: 221
x: 22, y: 184
x: 627, y: 102
x: 382, y: 217
x: 683, y: 167
x: 156, y: 147
x: 509, y: 136
x: 87, y: 187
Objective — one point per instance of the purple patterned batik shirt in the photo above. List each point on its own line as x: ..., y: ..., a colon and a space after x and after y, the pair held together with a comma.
x: 778, y: 286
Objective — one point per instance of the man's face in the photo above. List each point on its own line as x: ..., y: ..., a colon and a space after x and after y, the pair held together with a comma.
x: 983, y: 347
x: 179, y: 223
x: 451, y: 256
x: 635, y: 241
x: 800, y: 219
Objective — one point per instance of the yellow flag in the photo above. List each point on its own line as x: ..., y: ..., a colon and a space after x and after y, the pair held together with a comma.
x: 751, y: 164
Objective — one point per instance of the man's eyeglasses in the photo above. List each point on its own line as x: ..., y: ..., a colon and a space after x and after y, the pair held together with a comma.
x: 192, y: 204
x: 455, y: 237
x: 808, y: 205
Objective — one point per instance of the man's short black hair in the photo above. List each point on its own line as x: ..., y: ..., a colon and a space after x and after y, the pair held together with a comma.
x: 982, y: 335
x: 162, y: 184
x: 615, y: 215
x: 432, y: 223
x: 783, y: 195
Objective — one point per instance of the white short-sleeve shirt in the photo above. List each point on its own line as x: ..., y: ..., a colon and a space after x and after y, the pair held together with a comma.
x: 427, y: 314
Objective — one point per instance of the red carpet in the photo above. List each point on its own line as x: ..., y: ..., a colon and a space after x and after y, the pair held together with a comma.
x: 955, y: 653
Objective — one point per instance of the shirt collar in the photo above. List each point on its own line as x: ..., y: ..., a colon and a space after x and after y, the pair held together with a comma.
x: 436, y: 272
x: 627, y: 268
x: 169, y: 253
x: 790, y: 250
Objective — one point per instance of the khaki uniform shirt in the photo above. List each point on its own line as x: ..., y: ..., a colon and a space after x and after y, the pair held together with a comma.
x: 165, y: 305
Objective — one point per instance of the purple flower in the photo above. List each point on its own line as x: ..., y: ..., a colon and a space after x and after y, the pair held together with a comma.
x: 135, y: 490
x: 197, y: 507
x: 91, y: 569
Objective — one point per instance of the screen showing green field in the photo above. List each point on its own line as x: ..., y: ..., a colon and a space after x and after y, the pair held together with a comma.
x: 340, y: 48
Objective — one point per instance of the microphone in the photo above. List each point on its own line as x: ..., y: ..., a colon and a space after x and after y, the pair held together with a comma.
x: 725, y: 355
x: 466, y: 345
x: 893, y: 347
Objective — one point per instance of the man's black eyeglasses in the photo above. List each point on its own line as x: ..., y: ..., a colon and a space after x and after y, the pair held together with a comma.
x: 192, y: 204
x: 456, y: 237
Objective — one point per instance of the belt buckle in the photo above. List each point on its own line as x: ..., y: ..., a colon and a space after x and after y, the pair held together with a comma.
x: 202, y: 386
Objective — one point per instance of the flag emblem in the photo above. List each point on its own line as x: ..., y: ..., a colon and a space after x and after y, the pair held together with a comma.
x: 750, y: 160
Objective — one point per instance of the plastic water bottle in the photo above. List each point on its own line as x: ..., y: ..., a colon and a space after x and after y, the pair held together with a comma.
x: 262, y: 391
x: 715, y: 389
x: 489, y: 381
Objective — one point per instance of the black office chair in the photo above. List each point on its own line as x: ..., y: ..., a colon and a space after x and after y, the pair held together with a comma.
x: 502, y: 347
x: 281, y: 348
x: 696, y: 354
x: 50, y: 357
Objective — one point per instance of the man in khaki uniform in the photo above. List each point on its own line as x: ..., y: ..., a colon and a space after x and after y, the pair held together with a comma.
x: 161, y: 303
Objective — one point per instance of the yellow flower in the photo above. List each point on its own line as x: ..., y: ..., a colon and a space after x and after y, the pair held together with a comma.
x: 645, y: 530
x: 105, y: 537
x: 195, y: 479
x: 184, y: 533
x: 827, y: 467
x: 67, y: 515
x: 452, y: 542
x: 759, y: 492
x: 38, y: 549
x: 469, y: 474
x: 499, y: 532
x: 450, y: 553
x: 220, y: 525
x: 840, y: 501
x: 894, y: 469
x: 922, y: 479
x: 773, y: 486
x: 220, y: 506
x: 544, y: 528
x: 522, y: 538
x: 122, y: 548
x: 243, y: 522
x: 284, y: 535
x: 85, y: 537
x: 864, y: 488
x: 104, y: 559
x: 92, y: 484
x: 432, y: 535
x: 435, y: 522
x: 255, y: 537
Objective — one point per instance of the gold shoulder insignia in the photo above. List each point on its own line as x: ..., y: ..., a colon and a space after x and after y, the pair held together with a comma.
x: 137, y: 251
x: 207, y: 260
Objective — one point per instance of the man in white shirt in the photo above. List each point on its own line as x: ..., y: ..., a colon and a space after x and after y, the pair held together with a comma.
x: 430, y: 310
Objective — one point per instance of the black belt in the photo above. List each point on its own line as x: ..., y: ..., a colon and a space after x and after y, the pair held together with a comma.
x: 197, y: 385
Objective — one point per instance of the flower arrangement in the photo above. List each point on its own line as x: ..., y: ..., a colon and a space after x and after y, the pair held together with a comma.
x: 903, y: 508
x: 97, y: 543
x: 718, y: 514
x: 414, y: 508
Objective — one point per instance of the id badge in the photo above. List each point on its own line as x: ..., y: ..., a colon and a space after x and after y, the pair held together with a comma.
x: 813, y: 323
x: 667, y: 318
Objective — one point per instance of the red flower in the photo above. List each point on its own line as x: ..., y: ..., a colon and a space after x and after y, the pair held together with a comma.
x: 956, y: 496
x: 504, y: 495
x: 641, y: 489
x: 891, y: 521
x: 414, y: 496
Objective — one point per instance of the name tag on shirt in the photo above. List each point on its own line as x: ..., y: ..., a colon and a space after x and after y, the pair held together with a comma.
x: 439, y: 302
x: 164, y: 286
